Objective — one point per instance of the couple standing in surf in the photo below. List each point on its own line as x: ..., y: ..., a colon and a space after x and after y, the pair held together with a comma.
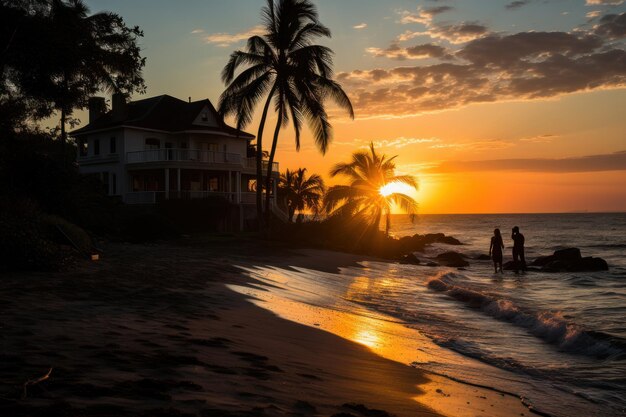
x: 497, y: 245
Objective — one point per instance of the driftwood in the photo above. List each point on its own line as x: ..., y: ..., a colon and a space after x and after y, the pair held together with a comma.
x: 35, y: 381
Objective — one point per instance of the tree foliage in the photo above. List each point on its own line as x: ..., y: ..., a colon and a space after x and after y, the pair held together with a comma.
x: 361, y: 199
x: 54, y: 55
x: 299, y: 192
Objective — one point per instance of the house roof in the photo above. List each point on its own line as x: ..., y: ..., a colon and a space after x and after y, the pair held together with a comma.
x: 165, y: 113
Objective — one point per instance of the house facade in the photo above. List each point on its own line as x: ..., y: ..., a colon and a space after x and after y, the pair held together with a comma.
x: 161, y: 148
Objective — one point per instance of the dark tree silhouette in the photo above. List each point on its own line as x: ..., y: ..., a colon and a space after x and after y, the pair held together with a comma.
x: 284, y: 66
x: 300, y: 192
x: 363, y: 198
x: 55, y: 56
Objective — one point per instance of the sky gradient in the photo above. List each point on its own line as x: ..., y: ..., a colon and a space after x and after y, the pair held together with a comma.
x: 496, y: 106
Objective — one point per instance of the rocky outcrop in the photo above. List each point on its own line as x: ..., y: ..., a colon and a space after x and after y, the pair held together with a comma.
x: 569, y: 260
x: 483, y: 257
x: 453, y: 259
x: 410, y: 259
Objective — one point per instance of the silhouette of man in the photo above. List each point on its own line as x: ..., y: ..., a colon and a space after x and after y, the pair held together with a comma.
x: 519, y: 261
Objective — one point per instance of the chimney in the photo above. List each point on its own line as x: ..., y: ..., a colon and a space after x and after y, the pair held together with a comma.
x: 97, y: 108
x: 120, y: 110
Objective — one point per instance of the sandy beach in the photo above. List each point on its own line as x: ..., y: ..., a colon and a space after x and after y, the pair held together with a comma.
x: 157, y: 330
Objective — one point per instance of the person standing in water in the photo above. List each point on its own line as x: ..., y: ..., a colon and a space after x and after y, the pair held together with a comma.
x: 495, y: 250
x: 519, y: 261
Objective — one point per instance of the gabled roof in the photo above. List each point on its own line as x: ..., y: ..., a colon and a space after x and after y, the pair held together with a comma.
x: 165, y: 113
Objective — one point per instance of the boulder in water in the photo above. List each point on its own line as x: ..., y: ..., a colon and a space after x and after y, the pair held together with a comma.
x: 453, y: 259
x: 569, y: 260
x: 409, y: 258
x: 483, y: 257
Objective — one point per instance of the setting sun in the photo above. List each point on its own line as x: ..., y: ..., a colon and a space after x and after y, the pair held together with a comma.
x: 396, y: 187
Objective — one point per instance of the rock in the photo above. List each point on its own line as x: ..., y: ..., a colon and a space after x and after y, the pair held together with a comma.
x: 453, y: 259
x: 409, y: 258
x: 568, y: 255
x: 483, y: 257
x: 569, y: 260
x: 431, y: 263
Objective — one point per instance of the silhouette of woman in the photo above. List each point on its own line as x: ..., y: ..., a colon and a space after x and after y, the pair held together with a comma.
x: 495, y: 250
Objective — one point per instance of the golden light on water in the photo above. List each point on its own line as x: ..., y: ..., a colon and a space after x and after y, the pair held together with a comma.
x: 396, y: 187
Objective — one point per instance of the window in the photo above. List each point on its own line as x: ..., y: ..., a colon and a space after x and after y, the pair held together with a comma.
x: 96, y: 146
x: 113, y: 145
x: 205, y: 117
x: 152, y: 143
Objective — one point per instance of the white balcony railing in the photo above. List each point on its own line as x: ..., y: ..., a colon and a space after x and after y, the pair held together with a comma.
x: 193, y: 155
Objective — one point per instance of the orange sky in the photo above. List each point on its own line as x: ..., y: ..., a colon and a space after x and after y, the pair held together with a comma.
x: 495, y: 106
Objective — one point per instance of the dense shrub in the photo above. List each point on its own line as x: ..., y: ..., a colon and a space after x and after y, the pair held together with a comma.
x: 26, y: 240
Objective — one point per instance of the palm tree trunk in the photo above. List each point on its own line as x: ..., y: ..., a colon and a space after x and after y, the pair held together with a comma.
x: 268, y: 178
x: 387, y: 222
x: 259, y: 161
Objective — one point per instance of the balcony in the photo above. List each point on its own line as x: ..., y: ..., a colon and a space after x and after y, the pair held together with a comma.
x: 188, y: 155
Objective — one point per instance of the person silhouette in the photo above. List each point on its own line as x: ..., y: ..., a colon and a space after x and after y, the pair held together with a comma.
x: 495, y: 250
x: 519, y: 261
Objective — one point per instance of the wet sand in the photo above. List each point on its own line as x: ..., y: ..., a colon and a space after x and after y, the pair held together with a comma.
x: 152, y: 330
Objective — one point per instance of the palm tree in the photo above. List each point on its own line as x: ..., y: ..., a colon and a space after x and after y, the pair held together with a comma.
x: 284, y: 66
x: 300, y: 192
x: 364, y: 198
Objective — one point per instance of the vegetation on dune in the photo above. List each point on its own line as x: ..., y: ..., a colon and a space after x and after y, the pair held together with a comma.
x: 285, y: 67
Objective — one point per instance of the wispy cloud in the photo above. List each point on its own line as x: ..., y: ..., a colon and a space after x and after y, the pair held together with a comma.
x: 360, y: 26
x: 422, y: 51
x: 423, y: 16
x: 226, y: 39
x: 517, y: 4
x: 591, y: 163
x: 545, y: 138
x: 593, y: 14
x: 604, y: 2
x: 196, y: 31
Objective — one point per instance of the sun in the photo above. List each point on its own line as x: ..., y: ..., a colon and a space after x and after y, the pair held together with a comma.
x: 395, y: 187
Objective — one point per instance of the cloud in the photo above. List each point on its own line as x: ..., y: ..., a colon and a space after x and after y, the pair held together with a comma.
x: 517, y: 4
x: 423, y: 16
x: 496, y: 67
x: 591, y: 163
x: 545, y: 138
x: 226, y: 39
x: 604, y: 2
x: 593, y: 14
x: 475, y: 146
x: 394, y: 51
x: 360, y: 26
x: 196, y: 31
x: 397, y: 143
x: 458, y: 32
x: 612, y: 26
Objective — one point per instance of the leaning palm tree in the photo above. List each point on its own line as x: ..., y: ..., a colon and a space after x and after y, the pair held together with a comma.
x: 364, y: 198
x: 284, y: 66
x: 301, y: 192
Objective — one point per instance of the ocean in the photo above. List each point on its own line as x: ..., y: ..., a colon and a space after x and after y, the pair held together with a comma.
x: 556, y: 340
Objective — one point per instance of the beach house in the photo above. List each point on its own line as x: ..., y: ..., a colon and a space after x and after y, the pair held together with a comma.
x: 164, y: 148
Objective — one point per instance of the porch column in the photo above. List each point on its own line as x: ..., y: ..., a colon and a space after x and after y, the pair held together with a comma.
x: 238, y: 186
x: 178, y: 181
x: 167, y: 183
x: 229, y: 186
x: 273, y: 201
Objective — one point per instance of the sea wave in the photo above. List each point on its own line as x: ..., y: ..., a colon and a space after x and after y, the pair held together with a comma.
x: 551, y: 327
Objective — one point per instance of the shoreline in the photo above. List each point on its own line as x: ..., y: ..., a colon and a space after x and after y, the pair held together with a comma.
x: 152, y: 329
